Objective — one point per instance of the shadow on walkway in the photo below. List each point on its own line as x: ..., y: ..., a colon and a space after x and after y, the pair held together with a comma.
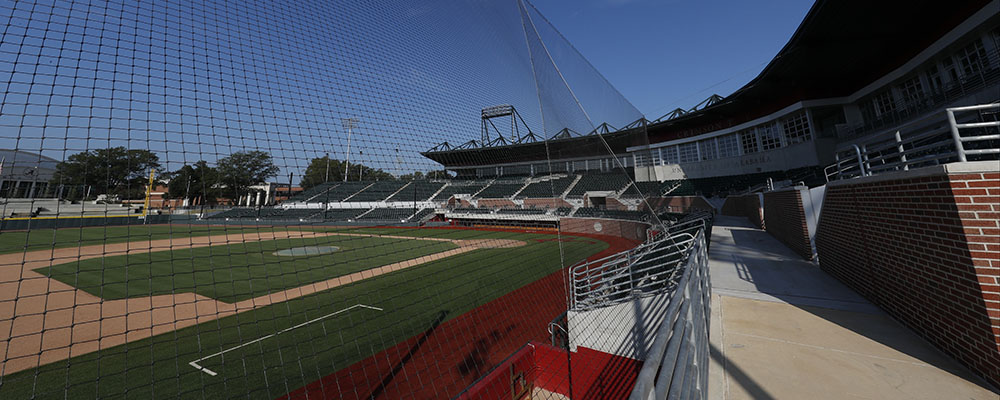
x: 749, y: 263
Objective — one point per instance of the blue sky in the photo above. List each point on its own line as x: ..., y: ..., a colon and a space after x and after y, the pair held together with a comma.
x: 201, y: 80
x: 667, y: 54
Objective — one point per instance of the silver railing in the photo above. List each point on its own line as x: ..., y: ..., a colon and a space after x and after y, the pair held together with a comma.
x: 676, y: 366
x: 649, y: 268
x: 958, y: 134
x: 984, y: 76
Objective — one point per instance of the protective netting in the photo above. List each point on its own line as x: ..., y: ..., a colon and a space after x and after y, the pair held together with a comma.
x: 313, y: 199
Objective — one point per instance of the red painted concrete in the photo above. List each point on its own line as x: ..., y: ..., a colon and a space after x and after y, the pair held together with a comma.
x: 460, y: 350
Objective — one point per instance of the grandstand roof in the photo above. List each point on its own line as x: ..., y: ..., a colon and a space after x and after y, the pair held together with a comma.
x: 837, y: 49
x: 576, y: 147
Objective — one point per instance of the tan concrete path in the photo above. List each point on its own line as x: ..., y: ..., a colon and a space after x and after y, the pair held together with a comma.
x: 43, y: 320
x: 784, y: 329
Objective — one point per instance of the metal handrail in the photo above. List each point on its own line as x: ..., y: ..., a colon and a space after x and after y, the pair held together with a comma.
x: 965, y: 85
x: 646, y: 269
x: 559, y: 323
x: 677, y: 363
x: 926, y: 144
x: 650, y: 267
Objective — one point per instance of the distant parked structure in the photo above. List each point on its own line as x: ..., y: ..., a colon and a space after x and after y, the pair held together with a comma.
x: 24, y: 174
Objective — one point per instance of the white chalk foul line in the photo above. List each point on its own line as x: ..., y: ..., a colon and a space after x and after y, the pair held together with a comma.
x: 213, y: 373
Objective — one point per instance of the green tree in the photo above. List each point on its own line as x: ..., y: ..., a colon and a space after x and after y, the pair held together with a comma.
x: 117, y: 171
x: 324, y: 169
x: 442, y: 174
x: 416, y: 175
x: 198, y: 183
x: 241, y: 170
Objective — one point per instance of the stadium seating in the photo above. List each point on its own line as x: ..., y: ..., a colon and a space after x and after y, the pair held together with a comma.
x: 681, y: 187
x: 340, y: 214
x: 611, y: 182
x: 420, y: 215
x: 378, y: 191
x: 500, y: 189
x: 522, y: 211
x: 643, y: 189
x: 292, y: 213
x: 271, y: 213
x: 549, y: 188
x: 387, y: 214
x: 563, y: 211
x: 417, y: 191
x: 459, y: 187
x: 307, y: 195
x: 341, y: 191
x: 235, y: 213
x: 472, y: 210
x: 591, y: 212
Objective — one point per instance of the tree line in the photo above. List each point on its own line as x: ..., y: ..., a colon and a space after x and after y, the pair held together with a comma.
x: 124, y: 173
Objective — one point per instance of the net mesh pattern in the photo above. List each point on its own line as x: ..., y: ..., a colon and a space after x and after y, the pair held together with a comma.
x: 305, y: 200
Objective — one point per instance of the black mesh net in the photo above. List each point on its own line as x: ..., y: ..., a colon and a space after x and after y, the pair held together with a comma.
x: 313, y: 200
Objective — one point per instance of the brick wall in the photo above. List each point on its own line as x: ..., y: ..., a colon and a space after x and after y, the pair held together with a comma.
x: 546, y: 203
x: 924, y: 245
x: 744, y: 206
x: 785, y: 219
x: 496, y: 203
x: 680, y: 204
x: 613, y: 204
x: 624, y: 229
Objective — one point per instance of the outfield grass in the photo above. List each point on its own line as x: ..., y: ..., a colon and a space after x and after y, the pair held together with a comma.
x: 413, y: 299
x: 235, y: 272
x: 47, y: 239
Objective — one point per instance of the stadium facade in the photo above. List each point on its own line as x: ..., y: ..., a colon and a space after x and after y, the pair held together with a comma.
x: 831, y: 84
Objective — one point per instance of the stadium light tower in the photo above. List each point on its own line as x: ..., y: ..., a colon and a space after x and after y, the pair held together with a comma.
x: 349, y: 124
x: 504, y: 110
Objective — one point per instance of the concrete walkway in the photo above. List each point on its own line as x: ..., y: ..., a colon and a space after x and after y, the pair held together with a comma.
x: 784, y: 329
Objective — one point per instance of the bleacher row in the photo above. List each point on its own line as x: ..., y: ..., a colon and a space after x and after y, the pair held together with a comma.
x: 582, y: 212
x: 591, y: 212
x: 569, y: 186
x: 313, y: 214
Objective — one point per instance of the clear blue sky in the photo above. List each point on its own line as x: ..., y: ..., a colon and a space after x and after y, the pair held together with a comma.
x: 201, y: 80
x: 667, y: 54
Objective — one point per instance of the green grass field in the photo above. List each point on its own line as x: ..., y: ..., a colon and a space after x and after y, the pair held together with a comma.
x: 47, y: 239
x: 235, y: 272
x: 413, y: 299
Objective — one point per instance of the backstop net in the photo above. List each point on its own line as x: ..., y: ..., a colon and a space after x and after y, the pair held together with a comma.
x: 313, y: 200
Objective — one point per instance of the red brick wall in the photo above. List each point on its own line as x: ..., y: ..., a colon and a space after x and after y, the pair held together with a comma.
x: 679, y: 204
x: 496, y: 203
x: 624, y: 229
x: 614, y: 204
x: 546, y: 203
x: 744, y: 206
x: 785, y: 219
x: 925, y: 247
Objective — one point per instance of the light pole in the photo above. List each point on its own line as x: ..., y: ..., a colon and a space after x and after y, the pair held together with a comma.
x: 327, y: 168
x: 349, y: 124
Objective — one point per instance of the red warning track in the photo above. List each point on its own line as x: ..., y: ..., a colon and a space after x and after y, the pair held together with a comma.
x: 439, y: 365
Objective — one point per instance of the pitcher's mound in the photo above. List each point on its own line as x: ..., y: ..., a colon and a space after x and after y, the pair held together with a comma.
x: 306, y: 251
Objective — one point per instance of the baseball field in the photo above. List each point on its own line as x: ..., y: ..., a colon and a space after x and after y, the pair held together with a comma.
x: 197, y: 311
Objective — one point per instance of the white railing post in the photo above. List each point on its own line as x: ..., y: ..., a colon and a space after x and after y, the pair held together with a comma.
x: 955, y: 136
x: 902, y: 154
x: 861, y: 162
